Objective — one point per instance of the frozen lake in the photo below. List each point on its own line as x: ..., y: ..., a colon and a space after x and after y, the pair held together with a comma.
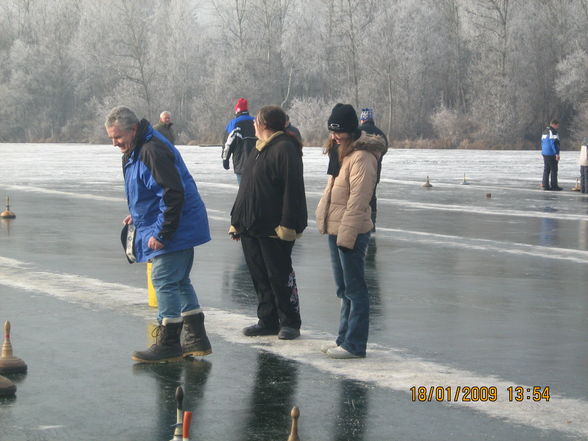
x: 466, y: 290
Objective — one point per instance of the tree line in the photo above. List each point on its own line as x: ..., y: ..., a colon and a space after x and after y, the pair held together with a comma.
x: 439, y: 73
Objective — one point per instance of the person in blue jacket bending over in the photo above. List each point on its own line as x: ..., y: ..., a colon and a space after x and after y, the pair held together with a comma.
x: 170, y: 220
x: 550, y: 152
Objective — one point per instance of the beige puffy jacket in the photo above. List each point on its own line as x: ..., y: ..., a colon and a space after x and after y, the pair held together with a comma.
x: 344, y: 209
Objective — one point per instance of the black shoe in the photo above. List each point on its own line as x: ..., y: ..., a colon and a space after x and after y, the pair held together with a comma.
x: 287, y: 333
x: 556, y: 189
x: 257, y: 330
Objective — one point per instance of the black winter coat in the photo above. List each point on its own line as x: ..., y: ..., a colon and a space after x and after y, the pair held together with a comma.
x: 271, y: 192
x: 371, y: 128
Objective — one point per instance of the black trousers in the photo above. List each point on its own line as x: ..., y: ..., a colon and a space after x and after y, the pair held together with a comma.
x: 374, y: 205
x: 270, y: 265
x: 584, y: 179
x: 549, y: 168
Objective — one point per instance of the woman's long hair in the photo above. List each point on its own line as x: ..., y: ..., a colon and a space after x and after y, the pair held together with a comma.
x: 345, y: 148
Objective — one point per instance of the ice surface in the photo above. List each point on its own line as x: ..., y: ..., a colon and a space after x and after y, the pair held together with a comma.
x: 464, y: 288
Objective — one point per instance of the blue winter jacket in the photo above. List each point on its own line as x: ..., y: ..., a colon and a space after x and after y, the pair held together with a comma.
x: 162, y: 196
x: 550, y: 142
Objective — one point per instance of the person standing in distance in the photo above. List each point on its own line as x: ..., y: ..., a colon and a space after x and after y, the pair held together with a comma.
x: 164, y: 126
x: 239, y: 138
x: 550, y: 152
x: 292, y: 130
x: 368, y: 125
x: 170, y: 220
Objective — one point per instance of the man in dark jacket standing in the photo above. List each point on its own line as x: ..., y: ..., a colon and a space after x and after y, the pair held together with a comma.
x: 550, y: 152
x: 239, y: 138
x: 164, y: 126
x: 169, y: 219
x: 367, y: 125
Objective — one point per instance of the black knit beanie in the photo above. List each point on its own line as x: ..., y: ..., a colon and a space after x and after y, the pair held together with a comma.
x: 343, y: 119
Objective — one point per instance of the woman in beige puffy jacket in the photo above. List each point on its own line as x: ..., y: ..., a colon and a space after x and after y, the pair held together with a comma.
x: 344, y: 213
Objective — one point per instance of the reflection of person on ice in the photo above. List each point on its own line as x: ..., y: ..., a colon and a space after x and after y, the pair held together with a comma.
x: 170, y: 220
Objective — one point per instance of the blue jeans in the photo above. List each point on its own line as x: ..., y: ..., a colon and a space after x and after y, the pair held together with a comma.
x: 170, y: 275
x: 348, y: 269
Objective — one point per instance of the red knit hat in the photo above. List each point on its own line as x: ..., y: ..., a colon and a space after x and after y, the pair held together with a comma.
x: 241, y: 105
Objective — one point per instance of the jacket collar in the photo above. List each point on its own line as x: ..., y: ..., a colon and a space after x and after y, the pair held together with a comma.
x: 260, y: 145
x: 144, y: 134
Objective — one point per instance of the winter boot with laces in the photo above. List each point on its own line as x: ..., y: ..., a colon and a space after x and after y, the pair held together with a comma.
x: 167, y: 344
x: 195, y: 342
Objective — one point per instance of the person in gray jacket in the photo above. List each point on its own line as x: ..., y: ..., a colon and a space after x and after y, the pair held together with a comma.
x: 164, y: 126
x: 583, y: 163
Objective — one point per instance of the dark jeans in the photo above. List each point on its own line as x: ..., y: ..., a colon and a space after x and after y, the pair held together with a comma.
x: 374, y: 205
x: 270, y: 266
x: 549, y: 168
x: 348, y: 269
x: 584, y: 179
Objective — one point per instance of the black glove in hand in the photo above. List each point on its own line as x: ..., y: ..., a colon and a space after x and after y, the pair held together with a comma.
x: 345, y: 250
x: 226, y: 164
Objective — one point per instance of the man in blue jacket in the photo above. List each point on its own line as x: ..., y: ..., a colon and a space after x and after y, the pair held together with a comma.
x: 550, y: 152
x: 239, y: 138
x: 170, y: 219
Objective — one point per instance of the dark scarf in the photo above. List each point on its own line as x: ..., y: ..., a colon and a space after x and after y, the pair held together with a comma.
x: 334, y: 164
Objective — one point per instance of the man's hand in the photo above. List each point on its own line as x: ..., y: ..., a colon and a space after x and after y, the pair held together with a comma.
x: 226, y: 164
x: 128, y: 220
x: 557, y: 157
x: 154, y: 244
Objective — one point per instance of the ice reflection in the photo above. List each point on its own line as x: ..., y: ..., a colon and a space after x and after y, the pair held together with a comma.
x: 272, y: 398
x: 350, y: 423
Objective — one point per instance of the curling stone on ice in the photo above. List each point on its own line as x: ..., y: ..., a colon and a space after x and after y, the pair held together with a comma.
x: 7, y: 387
x: 9, y: 364
x: 427, y: 184
x: 294, y: 414
x: 7, y: 214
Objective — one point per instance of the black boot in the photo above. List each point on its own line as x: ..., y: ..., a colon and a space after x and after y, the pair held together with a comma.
x: 195, y: 342
x: 167, y: 345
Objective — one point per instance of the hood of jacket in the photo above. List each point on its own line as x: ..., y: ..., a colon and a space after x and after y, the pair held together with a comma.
x: 372, y: 143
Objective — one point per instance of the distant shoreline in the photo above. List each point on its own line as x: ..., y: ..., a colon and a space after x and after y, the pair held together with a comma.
x: 419, y: 144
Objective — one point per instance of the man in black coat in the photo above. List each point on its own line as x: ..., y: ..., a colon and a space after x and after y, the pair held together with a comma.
x: 367, y: 125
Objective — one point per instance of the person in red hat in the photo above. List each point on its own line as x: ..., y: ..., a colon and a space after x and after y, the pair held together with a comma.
x: 239, y: 138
